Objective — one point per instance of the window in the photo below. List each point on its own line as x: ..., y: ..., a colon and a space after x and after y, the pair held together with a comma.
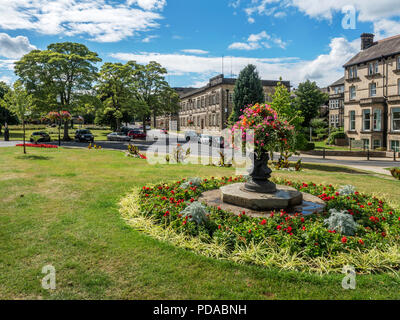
x: 377, y: 120
x: 371, y: 69
x: 398, y: 63
x: 352, y: 120
x: 366, y: 120
x: 395, y: 145
x: 376, y: 67
x: 396, y: 119
x: 398, y: 87
x: 352, y: 93
x: 377, y: 144
x: 372, y: 90
x: 351, y: 73
x: 365, y: 143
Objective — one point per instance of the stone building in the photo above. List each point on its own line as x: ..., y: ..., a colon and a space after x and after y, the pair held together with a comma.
x: 372, y: 93
x: 209, y: 107
x: 336, y: 104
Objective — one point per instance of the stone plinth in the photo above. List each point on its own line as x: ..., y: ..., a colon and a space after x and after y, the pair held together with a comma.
x: 289, y: 199
x: 283, y: 198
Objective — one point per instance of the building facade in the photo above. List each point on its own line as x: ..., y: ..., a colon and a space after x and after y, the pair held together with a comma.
x: 372, y: 94
x: 336, y: 104
x: 209, y: 107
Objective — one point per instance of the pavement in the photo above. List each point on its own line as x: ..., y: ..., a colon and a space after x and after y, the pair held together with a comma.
x: 376, y: 165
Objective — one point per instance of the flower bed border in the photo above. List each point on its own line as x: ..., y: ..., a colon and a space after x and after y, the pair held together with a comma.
x: 266, y: 253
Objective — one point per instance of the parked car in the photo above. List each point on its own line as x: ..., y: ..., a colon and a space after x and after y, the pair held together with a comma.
x: 40, y: 136
x: 125, y: 130
x: 191, y: 135
x: 136, y: 134
x: 219, y: 142
x: 84, y: 135
x: 206, y: 139
x: 118, y: 136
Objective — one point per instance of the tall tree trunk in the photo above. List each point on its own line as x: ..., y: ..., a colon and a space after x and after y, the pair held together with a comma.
x: 66, y: 135
x: 154, y: 119
x: 118, y: 121
x: 144, y: 124
x: 23, y: 126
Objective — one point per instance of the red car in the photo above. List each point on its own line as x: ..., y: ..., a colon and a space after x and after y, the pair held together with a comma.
x: 136, y: 134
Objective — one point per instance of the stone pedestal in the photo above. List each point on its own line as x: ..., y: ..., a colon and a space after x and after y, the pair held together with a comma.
x: 284, y: 197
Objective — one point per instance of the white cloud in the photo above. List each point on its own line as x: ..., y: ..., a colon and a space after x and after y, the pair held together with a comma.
x: 325, y: 69
x: 102, y: 20
x: 14, y: 47
x: 149, y: 4
x: 195, y: 51
x: 386, y: 28
x: 149, y: 38
x: 6, y: 79
x: 7, y: 64
x: 257, y: 41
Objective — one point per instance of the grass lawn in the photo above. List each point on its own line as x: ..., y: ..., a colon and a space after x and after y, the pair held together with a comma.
x: 16, y: 133
x: 60, y: 207
x: 322, y: 144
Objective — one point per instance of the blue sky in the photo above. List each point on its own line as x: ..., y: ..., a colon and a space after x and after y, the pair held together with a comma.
x: 292, y: 39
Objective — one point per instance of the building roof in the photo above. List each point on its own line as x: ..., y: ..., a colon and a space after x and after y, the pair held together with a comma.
x: 182, y: 91
x: 338, y: 82
x: 382, y: 48
x: 218, y: 80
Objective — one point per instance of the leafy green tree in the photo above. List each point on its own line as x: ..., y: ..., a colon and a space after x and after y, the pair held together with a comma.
x: 19, y: 102
x: 248, y: 90
x: 308, y: 100
x: 58, y: 76
x: 150, y: 84
x: 167, y: 103
x: 115, y: 91
x: 284, y: 106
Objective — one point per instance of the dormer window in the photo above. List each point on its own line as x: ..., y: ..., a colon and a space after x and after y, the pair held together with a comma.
x: 373, y: 68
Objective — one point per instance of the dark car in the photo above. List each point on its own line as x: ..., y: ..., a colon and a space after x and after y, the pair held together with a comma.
x: 40, y: 136
x: 84, y: 135
x: 136, y: 134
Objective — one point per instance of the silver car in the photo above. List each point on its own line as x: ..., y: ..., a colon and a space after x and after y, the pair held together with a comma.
x: 117, y: 136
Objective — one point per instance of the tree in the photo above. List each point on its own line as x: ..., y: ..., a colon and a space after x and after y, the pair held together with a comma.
x: 149, y: 83
x: 19, y: 102
x: 308, y: 100
x: 283, y: 104
x: 59, y: 76
x: 167, y: 103
x: 248, y: 90
x: 115, y: 90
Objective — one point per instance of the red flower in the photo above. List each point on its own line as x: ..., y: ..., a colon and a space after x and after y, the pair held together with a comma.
x: 344, y: 240
x: 360, y: 241
x: 249, y: 230
x: 263, y: 222
x: 383, y: 234
x: 192, y: 200
x: 279, y: 227
x: 219, y: 208
x: 380, y: 210
x: 219, y: 227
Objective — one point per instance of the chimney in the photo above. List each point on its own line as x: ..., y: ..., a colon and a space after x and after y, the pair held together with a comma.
x: 367, y: 40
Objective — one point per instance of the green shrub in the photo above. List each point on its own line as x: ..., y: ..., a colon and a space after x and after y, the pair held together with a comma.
x: 395, y: 173
x: 336, y: 135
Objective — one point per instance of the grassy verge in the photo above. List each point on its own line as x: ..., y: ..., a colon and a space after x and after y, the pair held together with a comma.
x: 16, y: 132
x: 60, y: 207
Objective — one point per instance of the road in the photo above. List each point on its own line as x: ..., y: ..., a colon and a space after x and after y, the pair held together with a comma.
x: 161, y: 146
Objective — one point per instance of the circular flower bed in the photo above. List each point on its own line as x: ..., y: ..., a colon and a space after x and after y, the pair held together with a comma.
x: 292, y: 242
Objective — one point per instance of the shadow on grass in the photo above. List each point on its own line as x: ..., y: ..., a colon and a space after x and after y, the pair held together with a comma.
x: 32, y: 157
x: 328, y: 168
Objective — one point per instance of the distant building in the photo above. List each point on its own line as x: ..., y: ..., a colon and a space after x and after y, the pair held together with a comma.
x: 372, y: 93
x: 336, y: 104
x: 210, y: 106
